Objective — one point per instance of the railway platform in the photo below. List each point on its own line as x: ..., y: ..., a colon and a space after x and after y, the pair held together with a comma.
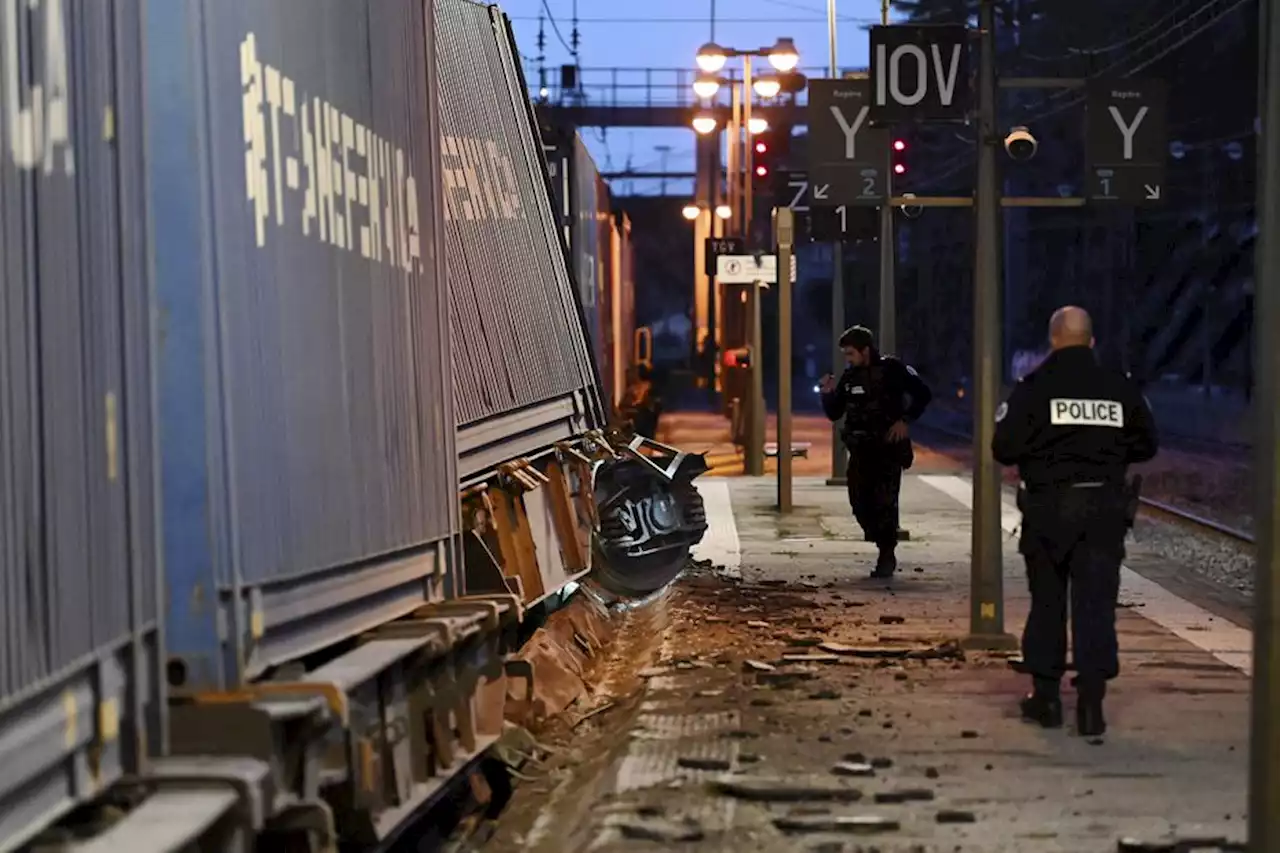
x: 777, y: 699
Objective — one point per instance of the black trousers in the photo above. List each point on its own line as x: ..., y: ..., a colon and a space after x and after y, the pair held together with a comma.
x: 874, y: 479
x: 1073, y: 544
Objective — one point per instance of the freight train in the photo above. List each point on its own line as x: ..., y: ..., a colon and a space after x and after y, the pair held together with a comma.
x: 603, y: 260
x: 301, y: 418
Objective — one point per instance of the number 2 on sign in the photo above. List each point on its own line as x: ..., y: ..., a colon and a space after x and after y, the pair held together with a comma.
x: 868, y: 187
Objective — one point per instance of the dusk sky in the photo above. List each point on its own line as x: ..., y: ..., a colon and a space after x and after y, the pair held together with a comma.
x: 666, y: 34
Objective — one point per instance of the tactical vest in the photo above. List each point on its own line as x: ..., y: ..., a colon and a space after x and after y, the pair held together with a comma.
x: 873, y: 403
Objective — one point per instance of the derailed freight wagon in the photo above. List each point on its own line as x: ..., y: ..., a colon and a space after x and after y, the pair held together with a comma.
x: 602, y: 258
x: 300, y: 421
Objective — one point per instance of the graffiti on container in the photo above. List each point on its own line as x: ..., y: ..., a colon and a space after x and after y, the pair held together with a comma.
x: 329, y: 146
x: 479, y: 180
x: 37, y: 114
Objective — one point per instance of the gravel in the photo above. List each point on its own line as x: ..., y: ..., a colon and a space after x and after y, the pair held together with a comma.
x: 1215, y: 558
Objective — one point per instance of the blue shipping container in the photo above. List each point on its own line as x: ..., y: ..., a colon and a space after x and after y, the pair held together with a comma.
x: 81, y: 684
x: 306, y: 421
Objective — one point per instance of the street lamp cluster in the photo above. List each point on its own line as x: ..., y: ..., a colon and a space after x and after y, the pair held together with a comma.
x: 693, y: 211
x: 711, y: 60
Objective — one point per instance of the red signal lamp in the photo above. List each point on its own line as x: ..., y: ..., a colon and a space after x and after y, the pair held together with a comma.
x: 762, y: 171
x: 761, y: 148
x: 899, y: 145
x: 899, y: 169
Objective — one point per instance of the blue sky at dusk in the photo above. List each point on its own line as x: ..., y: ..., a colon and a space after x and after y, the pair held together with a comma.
x: 666, y: 34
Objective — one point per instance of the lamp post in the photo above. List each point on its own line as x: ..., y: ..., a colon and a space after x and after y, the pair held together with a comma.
x: 711, y: 59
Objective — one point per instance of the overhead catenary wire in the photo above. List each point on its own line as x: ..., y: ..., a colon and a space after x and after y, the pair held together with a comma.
x: 555, y: 28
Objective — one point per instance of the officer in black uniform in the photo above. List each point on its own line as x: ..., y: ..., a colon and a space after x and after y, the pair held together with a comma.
x: 1073, y: 427
x: 877, y: 396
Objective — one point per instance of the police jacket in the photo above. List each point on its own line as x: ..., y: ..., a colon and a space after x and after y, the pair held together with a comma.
x: 1074, y: 421
x: 875, y: 397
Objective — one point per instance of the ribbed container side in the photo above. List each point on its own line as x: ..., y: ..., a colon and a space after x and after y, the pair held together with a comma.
x: 74, y: 396
x: 588, y: 252
x: 517, y: 335
x: 306, y: 425
x: 79, y: 578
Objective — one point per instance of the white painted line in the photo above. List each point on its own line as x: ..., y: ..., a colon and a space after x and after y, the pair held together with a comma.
x: 720, y: 544
x: 1229, y: 643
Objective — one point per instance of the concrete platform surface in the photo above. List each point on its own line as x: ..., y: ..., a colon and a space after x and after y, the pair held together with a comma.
x: 789, y: 703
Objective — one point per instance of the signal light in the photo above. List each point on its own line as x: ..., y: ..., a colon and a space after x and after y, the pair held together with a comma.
x: 899, y: 145
x: 762, y: 147
x: 762, y: 171
x: 899, y: 169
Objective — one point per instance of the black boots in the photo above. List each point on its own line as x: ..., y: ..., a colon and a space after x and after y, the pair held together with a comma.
x: 1089, y: 719
x: 1043, y: 706
x: 886, y: 564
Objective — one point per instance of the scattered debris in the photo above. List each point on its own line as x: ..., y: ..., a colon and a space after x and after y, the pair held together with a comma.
x: 784, y: 790
x: 858, y: 824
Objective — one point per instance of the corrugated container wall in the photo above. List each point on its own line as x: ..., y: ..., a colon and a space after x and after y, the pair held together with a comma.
x: 79, y: 582
x: 307, y: 430
x: 588, y: 251
x: 609, y: 265
x: 518, y: 338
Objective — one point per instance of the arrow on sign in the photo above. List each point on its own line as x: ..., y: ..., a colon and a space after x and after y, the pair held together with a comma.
x: 822, y: 192
x: 1153, y: 193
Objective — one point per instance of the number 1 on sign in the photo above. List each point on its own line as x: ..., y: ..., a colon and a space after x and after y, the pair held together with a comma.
x: 1106, y: 186
x: 844, y: 222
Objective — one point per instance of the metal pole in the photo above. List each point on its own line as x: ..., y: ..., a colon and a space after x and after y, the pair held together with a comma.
x: 748, y: 177
x: 888, y: 298
x: 754, y: 462
x: 839, y: 455
x: 733, y: 165
x: 784, y: 230
x: 986, y: 617
x: 1264, y: 753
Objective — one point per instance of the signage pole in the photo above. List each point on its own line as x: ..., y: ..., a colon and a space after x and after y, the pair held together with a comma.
x: 1264, y: 741
x: 784, y: 229
x: 839, y: 455
x: 888, y: 297
x: 986, y: 597
x: 754, y: 461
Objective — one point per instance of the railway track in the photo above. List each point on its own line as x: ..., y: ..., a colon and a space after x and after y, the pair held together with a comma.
x: 1155, y: 508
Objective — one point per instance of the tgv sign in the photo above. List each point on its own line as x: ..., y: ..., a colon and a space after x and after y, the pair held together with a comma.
x: 919, y: 73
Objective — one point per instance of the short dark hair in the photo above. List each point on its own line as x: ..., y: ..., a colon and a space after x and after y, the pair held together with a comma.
x: 858, y: 337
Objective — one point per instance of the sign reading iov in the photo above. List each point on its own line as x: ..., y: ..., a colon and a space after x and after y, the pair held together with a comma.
x: 919, y: 72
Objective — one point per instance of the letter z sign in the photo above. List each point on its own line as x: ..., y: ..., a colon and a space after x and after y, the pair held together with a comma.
x: 919, y: 72
x: 1127, y: 141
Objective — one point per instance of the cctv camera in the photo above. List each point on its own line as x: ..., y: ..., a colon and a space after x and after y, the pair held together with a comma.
x: 1020, y: 144
x: 911, y: 211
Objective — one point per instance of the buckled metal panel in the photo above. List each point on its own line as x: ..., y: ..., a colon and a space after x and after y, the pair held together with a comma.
x: 79, y: 633
x: 307, y: 426
x: 518, y: 336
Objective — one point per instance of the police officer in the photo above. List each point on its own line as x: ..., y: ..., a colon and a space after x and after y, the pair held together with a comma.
x: 1073, y: 427
x: 877, y: 396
